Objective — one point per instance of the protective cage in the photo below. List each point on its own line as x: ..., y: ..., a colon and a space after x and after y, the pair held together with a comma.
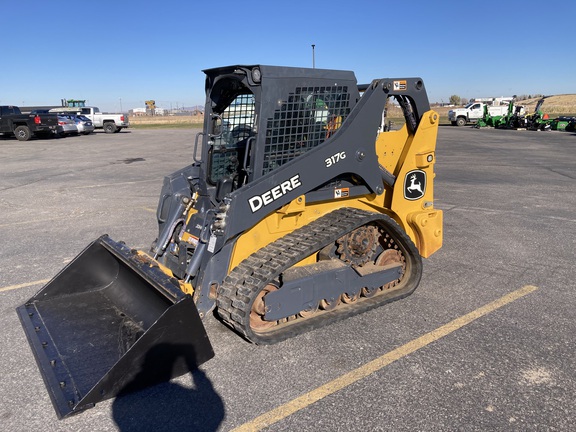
x: 304, y: 121
x: 111, y: 322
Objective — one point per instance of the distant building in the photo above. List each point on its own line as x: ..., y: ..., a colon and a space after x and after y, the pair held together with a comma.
x: 138, y: 112
x: 496, y: 101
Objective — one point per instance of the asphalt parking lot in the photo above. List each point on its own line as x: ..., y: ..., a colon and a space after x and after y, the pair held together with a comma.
x: 485, y: 343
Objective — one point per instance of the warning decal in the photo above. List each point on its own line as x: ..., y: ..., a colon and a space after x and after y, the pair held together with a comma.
x: 400, y: 85
x: 342, y: 193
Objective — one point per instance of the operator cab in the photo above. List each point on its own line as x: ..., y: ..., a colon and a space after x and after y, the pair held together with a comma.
x: 246, y: 136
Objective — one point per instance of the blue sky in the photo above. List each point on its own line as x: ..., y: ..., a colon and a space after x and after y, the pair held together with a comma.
x: 116, y: 53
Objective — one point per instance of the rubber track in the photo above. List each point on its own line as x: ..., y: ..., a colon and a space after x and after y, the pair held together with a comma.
x: 242, y: 285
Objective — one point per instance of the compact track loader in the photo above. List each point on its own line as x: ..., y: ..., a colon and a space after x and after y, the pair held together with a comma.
x: 300, y: 208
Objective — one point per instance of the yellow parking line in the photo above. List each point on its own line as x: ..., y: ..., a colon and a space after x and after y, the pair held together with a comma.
x: 24, y: 285
x: 343, y: 381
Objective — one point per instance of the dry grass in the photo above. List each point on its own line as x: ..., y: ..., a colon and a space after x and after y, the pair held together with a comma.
x: 558, y: 104
x: 173, y: 121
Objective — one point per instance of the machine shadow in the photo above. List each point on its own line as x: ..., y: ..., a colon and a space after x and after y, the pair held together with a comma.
x: 168, y: 405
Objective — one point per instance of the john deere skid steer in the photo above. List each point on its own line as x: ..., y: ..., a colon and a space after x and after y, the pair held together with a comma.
x: 299, y: 208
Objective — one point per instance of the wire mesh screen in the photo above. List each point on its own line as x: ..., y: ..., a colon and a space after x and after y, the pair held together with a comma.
x: 223, y: 164
x: 230, y: 134
x: 306, y: 119
x: 238, y: 118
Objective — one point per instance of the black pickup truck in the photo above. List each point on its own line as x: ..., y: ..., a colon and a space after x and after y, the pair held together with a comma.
x: 24, y: 126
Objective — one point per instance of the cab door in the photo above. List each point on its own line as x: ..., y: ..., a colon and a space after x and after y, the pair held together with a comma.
x: 476, y: 111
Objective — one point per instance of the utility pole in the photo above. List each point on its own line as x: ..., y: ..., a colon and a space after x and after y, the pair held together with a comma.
x: 313, y: 57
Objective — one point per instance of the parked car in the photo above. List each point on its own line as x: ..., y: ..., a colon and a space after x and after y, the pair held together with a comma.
x: 84, y: 124
x: 66, y: 126
x: 111, y: 123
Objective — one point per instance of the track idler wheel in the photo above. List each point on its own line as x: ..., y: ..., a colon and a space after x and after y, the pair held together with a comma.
x: 330, y: 304
x: 258, y: 310
x: 350, y: 298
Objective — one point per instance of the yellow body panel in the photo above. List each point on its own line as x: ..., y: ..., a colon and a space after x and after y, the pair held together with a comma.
x: 419, y: 154
x: 398, y: 152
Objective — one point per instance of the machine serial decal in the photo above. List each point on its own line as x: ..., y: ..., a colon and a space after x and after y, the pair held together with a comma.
x: 212, y: 244
x: 259, y: 201
x: 414, y: 185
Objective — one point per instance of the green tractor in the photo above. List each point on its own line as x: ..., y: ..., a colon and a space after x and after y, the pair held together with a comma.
x: 513, y: 119
x: 538, y: 120
x: 487, y: 120
x: 516, y: 119
x: 562, y: 123
x: 571, y: 126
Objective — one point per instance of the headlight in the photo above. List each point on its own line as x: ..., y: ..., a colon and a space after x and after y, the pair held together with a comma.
x: 256, y: 75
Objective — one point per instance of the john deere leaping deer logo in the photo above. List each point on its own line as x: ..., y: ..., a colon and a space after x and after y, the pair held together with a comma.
x: 414, y: 185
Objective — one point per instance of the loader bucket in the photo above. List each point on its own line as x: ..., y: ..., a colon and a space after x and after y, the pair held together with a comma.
x: 111, y: 321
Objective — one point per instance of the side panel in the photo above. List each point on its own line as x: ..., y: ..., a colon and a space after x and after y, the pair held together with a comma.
x: 288, y: 219
x: 412, y: 198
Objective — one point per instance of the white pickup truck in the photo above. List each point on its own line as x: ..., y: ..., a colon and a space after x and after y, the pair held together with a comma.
x: 472, y: 112
x: 111, y: 123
